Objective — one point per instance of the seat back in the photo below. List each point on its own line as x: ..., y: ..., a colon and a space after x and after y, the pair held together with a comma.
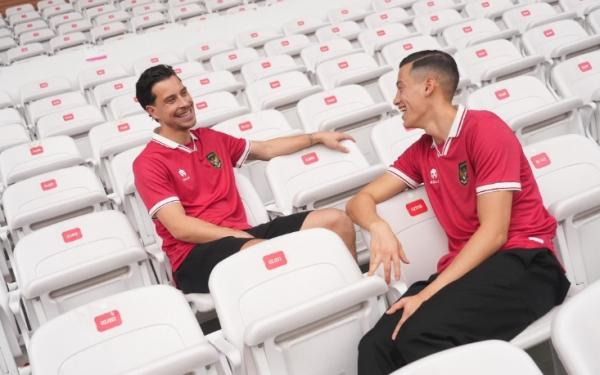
x: 427, y: 6
x: 574, y: 334
x: 256, y: 38
x: 433, y: 23
x: 263, y: 68
x: 347, y: 30
x: 373, y: 40
x: 414, y: 223
x: 293, y: 176
x: 53, y: 196
x: 216, y: 107
x: 462, y: 34
x: 315, y: 54
x: 522, y: 17
x: 556, y: 163
x: 204, y: 51
x: 316, y: 266
x: 44, y: 88
x: 548, y: 39
x: 385, y: 16
x: 102, y: 337
x: 578, y: 76
x: 27, y: 160
x: 390, y: 139
x: 76, y: 261
x: 515, y: 99
x: 289, y: 45
x: 279, y: 91
x: 492, y: 357
x: 303, y: 25
x: 209, y: 82
x: 233, y: 60
x: 347, y: 13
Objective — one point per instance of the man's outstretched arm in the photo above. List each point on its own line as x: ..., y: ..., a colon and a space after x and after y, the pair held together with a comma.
x: 266, y: 150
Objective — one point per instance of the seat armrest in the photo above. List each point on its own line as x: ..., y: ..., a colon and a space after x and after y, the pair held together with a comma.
x: 200, y: 302
x: 546, y: 112
x: 232, y: 353
x: 505, y: 69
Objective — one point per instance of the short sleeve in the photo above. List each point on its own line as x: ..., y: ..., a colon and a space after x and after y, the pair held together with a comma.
x: 408, y: 165
x: 496, y: 156
x: 153, y: 184
x: 238, y: 148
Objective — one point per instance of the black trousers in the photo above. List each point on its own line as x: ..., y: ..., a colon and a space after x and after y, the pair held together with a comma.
x: 496, y: 300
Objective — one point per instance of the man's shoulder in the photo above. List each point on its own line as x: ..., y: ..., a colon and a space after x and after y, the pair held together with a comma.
x: 152, y: 153
x: 483, y: 122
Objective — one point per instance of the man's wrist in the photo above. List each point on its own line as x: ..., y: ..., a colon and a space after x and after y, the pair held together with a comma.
x: 312, y: 138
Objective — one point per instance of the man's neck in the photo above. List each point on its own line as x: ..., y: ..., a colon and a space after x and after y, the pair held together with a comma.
x: 183, y: 136
x: 439, y: 122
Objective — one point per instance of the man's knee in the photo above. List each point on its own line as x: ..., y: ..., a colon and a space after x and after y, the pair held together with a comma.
x: 334, y: 219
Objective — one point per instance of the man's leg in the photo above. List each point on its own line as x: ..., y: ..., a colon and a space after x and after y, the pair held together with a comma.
x: 496, y: 300
x: 336, y: 221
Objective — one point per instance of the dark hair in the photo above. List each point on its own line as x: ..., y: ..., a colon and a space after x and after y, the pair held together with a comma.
x: 439, y: 61
x: 150, y: 76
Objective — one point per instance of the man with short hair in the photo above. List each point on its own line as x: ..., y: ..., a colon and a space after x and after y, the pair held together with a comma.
x: 185, y: 178
x: 501, y: 272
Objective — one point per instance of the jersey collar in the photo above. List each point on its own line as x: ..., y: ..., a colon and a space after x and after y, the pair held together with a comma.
x: 454, y: 132
x: 166, y: 142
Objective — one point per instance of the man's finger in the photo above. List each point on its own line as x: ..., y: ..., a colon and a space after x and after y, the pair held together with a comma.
x: 396, y: 306
x: 373, y: 265
x: 396, y: 267
x: 341, y: 148
x: 403, y: 256
x: 397, y: 329
x: 386, y: 270
x: 346, y: 136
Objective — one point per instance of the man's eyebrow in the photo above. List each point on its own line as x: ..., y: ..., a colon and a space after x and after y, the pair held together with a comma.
x: 169, y: 98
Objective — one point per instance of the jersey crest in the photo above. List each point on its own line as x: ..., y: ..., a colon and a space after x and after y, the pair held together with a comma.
x: 463, y: 177
x: 213, y: 159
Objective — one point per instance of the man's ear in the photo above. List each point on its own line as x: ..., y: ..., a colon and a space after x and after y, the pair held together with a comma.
x: 152, y: 112
x: 430, y: 84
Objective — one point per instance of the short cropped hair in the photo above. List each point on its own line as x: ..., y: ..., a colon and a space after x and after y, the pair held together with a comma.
x: 441, y: 63
x: 151, y: 76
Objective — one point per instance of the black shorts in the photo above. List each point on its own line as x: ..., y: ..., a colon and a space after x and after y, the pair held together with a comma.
x: 192, y: 275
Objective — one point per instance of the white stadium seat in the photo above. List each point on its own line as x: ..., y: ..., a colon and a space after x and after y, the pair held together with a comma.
x: 37, y: 36
x: 119, y: 16
x: 280, y: 91
x: 39, y: 200
x: 56, y: 21
x: 21, y: 8
x: 256, y: 38
x: 594, y: 21
x: 30, y: 159
x: 148, y: 8
x: 491, y: 9
x: 76, y: 26
x: 204, y: 51
x: 106, y: 91
x: 43, y: 88
x: 431, y: 6
x: 233, y: 60
x: 7, y: 43
x: 531, y: 110
x: 558, y: 39
x: 290, y: 45
x: 68, y: 264
x: 10, y: 348
x: 216, y: 107
x: 19, y: 53
x: 346, y: 108
x: 74, y: 121
x: 157, y: 318
x: 303, y: 25
x: 315, y: 54
x: 266, y: 67
x: 54, y: 103
x: 493, y: 60
x: 5, y: 100
x: 186, y: 11
x: 83, y: 5
x: 493, y: 357
x: 29, y: 26
x: 91, y: 77
x: 218, y: 5
x: 108, y: 30
x: 373, y: 40
x: 325, y: 284
x: 526, y: 16
x: 61, y: 42
x: 96, y: 11
x: 145, y: 21
x: 359, y: 68
x: 56, y: 10
x: 475, y: 31
x: 22, y: 17
x: 347, y: 13
x: 10, y: 115
x: 434, y: 23
x: 209, y: 82
x: 390, y: 139
x: 391, y: 4
x: 128, y: 5
x: 141, y: 64
x: 124, y: 106
x: 575, y: 336
x: 347, y: 30
x: 384, y: 17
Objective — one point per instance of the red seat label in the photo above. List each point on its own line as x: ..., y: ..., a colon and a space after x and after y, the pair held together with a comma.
x: 43, y: 85
x: 335, y: 29
x: 526, y: 13
x: 68, y: 117
x: 118, y: 86
x: 36, y: 150
x: 285, y: 43
x: 310, y: 158
x: 205, y: 48
x: 585, y: 66
x: 502, y: 94
x: 380, y: 32
x: 123, y: 127
x: 434, y: 18
x: 416, y: 208
x: 56, y: 102
x: 201, y: 105
x: 72, y: 235
x: 407, y: 46
x: 324, y: 48
x: 275, y: 260
x: 265, y: 64
x: 481, y: 53
x: 343, y: 64
x: 274, y: 84
x: 383, y: 16
x: 244, y: 126
x: 330, y: 100
x: 467, y: 29
x: 540, y: 160
x: 108, y: 320
x: 48, y: 185
x: 233, y: 56
x: 204, y: 81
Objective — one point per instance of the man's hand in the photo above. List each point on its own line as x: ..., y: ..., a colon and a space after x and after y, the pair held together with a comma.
x: 410, y: 305
x: 385, y: 249
x: 331, y: 140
